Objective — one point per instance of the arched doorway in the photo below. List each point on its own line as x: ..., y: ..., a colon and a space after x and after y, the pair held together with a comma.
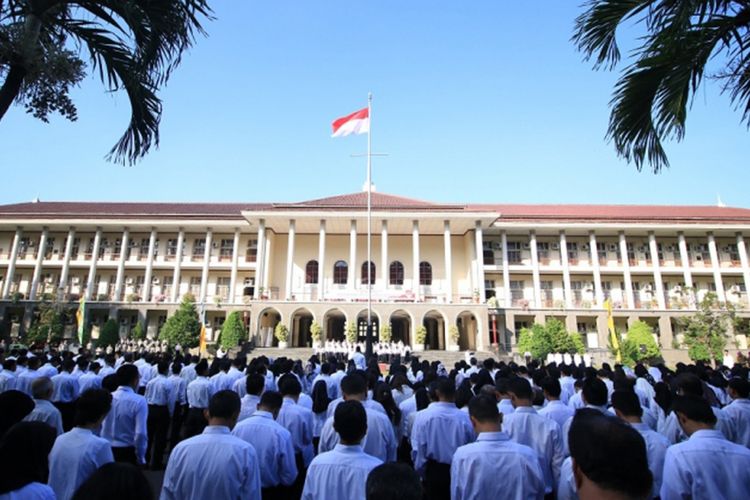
x: 300, y: 328
x: 401, y: 326
x: 434, y: 322
x: 467, y: 329
x: 362, y: 326
x: 267, y: 321
x: 334, y: 325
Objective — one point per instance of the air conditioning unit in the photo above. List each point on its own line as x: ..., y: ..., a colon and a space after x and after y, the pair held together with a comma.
x: 75, y: 280
x: 249, y: 282
x: 643, y: 249
x: 155, y: 281
x: 589, y: 287
x: 677, y: 289
x: 648, y: 288
x: 497, y: 245
x: 671, y: 248
x: 526, y: 246
x: 735, y: 289
x: 128, y: 281
x: 612, y: 247
x: 555, y: 246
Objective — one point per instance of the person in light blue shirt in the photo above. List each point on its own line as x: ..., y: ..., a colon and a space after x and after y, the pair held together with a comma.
x: 160, y: 397
x: 255, y: 384
x: 738, y: 410
x: 91, y: 379
x: 215, y: 464
x: 272, y: 443
x: 555, y: 410
x: 477, y: 467
x: 393, y: 481
x: 198, y: 393
x: 296, y: 419
x: 594, y: 396
x: 27, y: 377
x: 341, y: 474
x: 125, y: 425
x: 44, y: 410
x: 707, y: 464
x: 504, y: 405
x: 78, y: 453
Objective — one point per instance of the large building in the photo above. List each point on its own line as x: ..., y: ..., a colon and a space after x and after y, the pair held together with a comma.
x: 432, y: 264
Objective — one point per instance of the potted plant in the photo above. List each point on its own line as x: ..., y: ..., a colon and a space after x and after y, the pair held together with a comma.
x: 492, y: 302
x: 316, y: 333
x: 282, y: 335
x: 420, y: 337
x: 476, y: 295
x: 351, y: 332
x: 217, y: 300
x: 455, y: 336
x: 386, y: 333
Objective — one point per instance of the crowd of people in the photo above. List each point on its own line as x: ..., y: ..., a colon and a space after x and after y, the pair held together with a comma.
x: 85, y: 424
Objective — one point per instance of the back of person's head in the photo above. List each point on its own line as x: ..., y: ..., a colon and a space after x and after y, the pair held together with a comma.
x: 68, y: 365
x: 422, y: 398
x: 201, y: 369
x: 162, y: 367
x: 393, y: 481
x: 92, y: 405
x: 289, y: 385
x: 115, y: 481
x: 34, y: 363
x: 689, y: 384
x: 521, y: 388
x: 741, y: 387
x: 14, y: 406
x: 255, y: 383
x: 594, y: 392
x: 350, y: 421
x: 41, y: 388
x: 551, y: 386
x: 627, y: 403
x: 609, y: 453
x: 224, y: 404
x: 445, y: 389
x: 484, y: 409
x: 111, y: 382
x: 127, y: 375
x: 176, y: 367
x: 694, y: 408
x: 353, y: 385
x: 320, y: 397
x: 271, y: 401
x: 23, y: 455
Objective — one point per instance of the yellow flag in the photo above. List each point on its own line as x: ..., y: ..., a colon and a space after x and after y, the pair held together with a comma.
x: 202, y: 341
x: 80, y: 316
x: 612, y: 333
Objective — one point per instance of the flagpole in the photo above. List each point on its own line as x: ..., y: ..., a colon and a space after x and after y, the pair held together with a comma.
x: 368, y: 337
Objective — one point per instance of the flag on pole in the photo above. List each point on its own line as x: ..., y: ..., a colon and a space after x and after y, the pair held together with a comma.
x: 612, y: 333
x: 202, y: 341
x: 355, y: 123
x: 80, y: 316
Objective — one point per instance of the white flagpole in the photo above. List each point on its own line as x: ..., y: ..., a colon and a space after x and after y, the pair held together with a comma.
x: 368, y: 338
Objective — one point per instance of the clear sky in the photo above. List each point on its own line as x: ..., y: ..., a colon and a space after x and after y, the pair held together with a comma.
x: 481, y: 101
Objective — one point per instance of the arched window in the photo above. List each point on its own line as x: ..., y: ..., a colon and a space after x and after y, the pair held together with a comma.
x: 311, y: 272
x: 425, y: 273
x: 340, y: 272
x: 372, y: 273
x: 396, y: 273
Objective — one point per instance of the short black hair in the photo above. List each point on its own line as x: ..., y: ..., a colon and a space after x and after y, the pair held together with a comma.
x: 125, y: 479
x: 176, y: 368
x: 271, y: 400
x: 224, y: 404
x: 255, y: 383
x: 521, y: 388
x: 628, y: 403
x: 201, y: 368
x: 445, y: 387
x: 610, y: 453
x: 393, y: 481
x: 484, y: 409
x: 350, y: 421
x: 110, y: 382
x: 353, y: 384
x: 289, y: 385
x: 689, y: 384
x: 694, y: 408
x: 740, y: 386
x: 127, y: 374
x: 92, y: 405
x: 594, y: 392
x: 551, y: 386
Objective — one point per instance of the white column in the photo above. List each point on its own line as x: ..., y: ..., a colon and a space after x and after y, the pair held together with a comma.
x: 290, y: 261
x: 260, y: 257
x: 322, y: 260
x: 12, y: 263
x: 685, y: 260
x: 66, y: 263
x: 658, y: 283
x: 479, y: 256
x: 415, y: 257
x: 352, y: 278
x: 534, y: 269
x: 598, y: 291
x: 506, y: 270
x: 149, y: 267
x: 92, y: 268
x: 626, y: 271
x: 178, y: 266
x: 235, y: 259
x: 566, y: 270
x: 206, y: 262
x: 267, y: 265
x: 384, y: 264
x: 742, y: 250
x: 448, y: 262
x: 121, y: 265
x: 716, y: 268
x: 38, y: 265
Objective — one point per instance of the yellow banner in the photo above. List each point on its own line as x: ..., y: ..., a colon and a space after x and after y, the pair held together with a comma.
x: 202, y: 341
x: 612, y: 333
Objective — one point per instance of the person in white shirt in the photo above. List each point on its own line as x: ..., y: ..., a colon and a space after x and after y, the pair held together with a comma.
x: 198, y: 394
x: 298, y: 420
x: 255, y: 384
x: 8, y: 376
x: 44, y: 410
x: 358, y: 358
x: 91, y: 379
x: 739, y: 410
x: 78, y: 453
x: 477, y: 467
x: 341, y: 474
x: 728, y: 360
x: 555, y: 410
x: 160, y: 398
x: 273, y: 445
x: 125, y: 425
x: 27, y: 377
x: 65, y: 393
x: 706, y: 465
x: 214, y: 464
x: 393, y: 481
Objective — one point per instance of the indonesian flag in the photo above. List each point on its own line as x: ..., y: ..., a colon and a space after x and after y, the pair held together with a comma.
x: 355, y: 123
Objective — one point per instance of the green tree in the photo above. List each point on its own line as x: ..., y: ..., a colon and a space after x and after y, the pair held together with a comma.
x: 706, y: 332
x: 351, y: 332
x: 138, y: 333
x: 653, y: 94
x: 232, y: 331
x: 640, y: 344
x: 183, y: 327
x: 316, y: 331
x: 551, y: 337
x: 50, y: 325
x: 109, y: 335
x: 281, y: 332
x: 133, y: 45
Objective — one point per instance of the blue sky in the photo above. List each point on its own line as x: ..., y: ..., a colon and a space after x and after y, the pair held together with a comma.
x: 481, y: 101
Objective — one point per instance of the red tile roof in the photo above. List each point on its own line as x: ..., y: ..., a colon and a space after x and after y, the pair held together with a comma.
x: 358, y: 201
x: 104, y: 210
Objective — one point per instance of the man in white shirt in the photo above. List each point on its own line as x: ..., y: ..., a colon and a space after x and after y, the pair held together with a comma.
x: 91, y: 379
x: 325, y: 376
x: 78, y: 453
x: 341, y: 474
x: 706, y: 465
x: 739, y: 410
x: 8, y: 375
x: 254, y: 387
x: 159, y: 395
x: 44, y: 410
x: 65, y: 392
x: 126, y: 424
x: 298, y: 420
x: 477, y: 467
x: 27, y: 377
x: 358, y: 358
x: 214, y: 464
x: 273, y: 445
x: 199, y: 393
x: 555, y: 410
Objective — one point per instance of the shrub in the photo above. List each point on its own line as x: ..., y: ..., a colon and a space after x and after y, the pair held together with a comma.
x: 316, y: 331
x: 232, y: 331
x: 386, y: 333
x: 138, y: 333
x: 351, y: 332
x: 640, y: 334
x: 420, y: 335
x: 454, y: 334
x: 183, y: 327
x: 109, y: 335
x: 551, y: 337
x: 281, y: 332
x: 707, y: 330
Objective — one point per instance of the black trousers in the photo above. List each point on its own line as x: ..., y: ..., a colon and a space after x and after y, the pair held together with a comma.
x: 157, y: 427
x: 294, y: 492
x: 437, y: 480
x: 125, y: 454
x: 68, y: 413
x: 276, y: 493
x: 178, y: 417
x: 195, y: 422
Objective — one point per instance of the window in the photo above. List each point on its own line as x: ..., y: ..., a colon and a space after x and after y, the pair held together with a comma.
x: 546, y: 288
x: 103, y: 245
x: 74, y: 248
x: 143, y: 249
x: 516, y: 291
x: 49, y: 248
x: 577, y: 287
x: 734, y: 253
x: 396, y: 275
x: 251, y: 253
x: 607, y: 290
x: 425, y: 273
x: 631, y: 253
x: 226, y: 249
x: 89, y: 250
x: 311, y: 272
x: 543, y: 252
x: 116, y: 249
x: 195, y: 287
x: 166, y: 287
x: 340, y: 272
x: 573, y: 252
x: 488, y: 257
x: 171, y: 249
x: 514, y: 252
x: 23, y: 247
x: 199, y: 248
x: 372, y: 273
x: 222, y: 288
x: 601, y: 250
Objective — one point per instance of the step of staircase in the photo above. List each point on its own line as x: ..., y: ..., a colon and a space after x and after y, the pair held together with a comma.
x: 448, y: 358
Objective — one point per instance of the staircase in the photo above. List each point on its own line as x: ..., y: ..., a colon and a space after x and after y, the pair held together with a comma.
x: 448, y: 358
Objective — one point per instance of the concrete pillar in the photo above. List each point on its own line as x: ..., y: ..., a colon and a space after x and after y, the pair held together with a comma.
x: 665, y: 332
x: 124, y: 248
x: 716, y: 268
x: 62, y: 285
x: 92, y: 268
x: 260, y: 258
x: 206, y: 263
x: 602, y: 330
x: 321, y: 260
x: 178, y: 266
x: 566, y: 270
x: 742, y: 250
x: 510, y: 327
x: 290, y: 261
x: 479, y: 252
x: 148, y: 277
x: 38, y: 265
x: 506, y: 274
x: 594, y: 252
x: 535, y: 270
x: 235, y: 263
x: 658, y: 283
x: 685, y: 262
x: 384, y: 264
x: 415, y: 257
x: 448, y: 262
x: 267, y: 263
x: 352, y: 278
x: 626, y: 271
x: 12, y: 264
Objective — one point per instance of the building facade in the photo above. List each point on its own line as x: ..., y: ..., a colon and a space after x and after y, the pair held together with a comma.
x: 431, y: 264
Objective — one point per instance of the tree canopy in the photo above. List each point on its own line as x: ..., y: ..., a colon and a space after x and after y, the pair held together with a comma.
x: 640, y: 344
x: 133, y: 45
x: 232, y: 331
x: 706, y: 332
x: 550, y: 337
x: 652, y: 96
x: 109, y: 335
x: 183, y: 327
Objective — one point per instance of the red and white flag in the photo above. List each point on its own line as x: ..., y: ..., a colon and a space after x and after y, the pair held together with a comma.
x: 355, y: 123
